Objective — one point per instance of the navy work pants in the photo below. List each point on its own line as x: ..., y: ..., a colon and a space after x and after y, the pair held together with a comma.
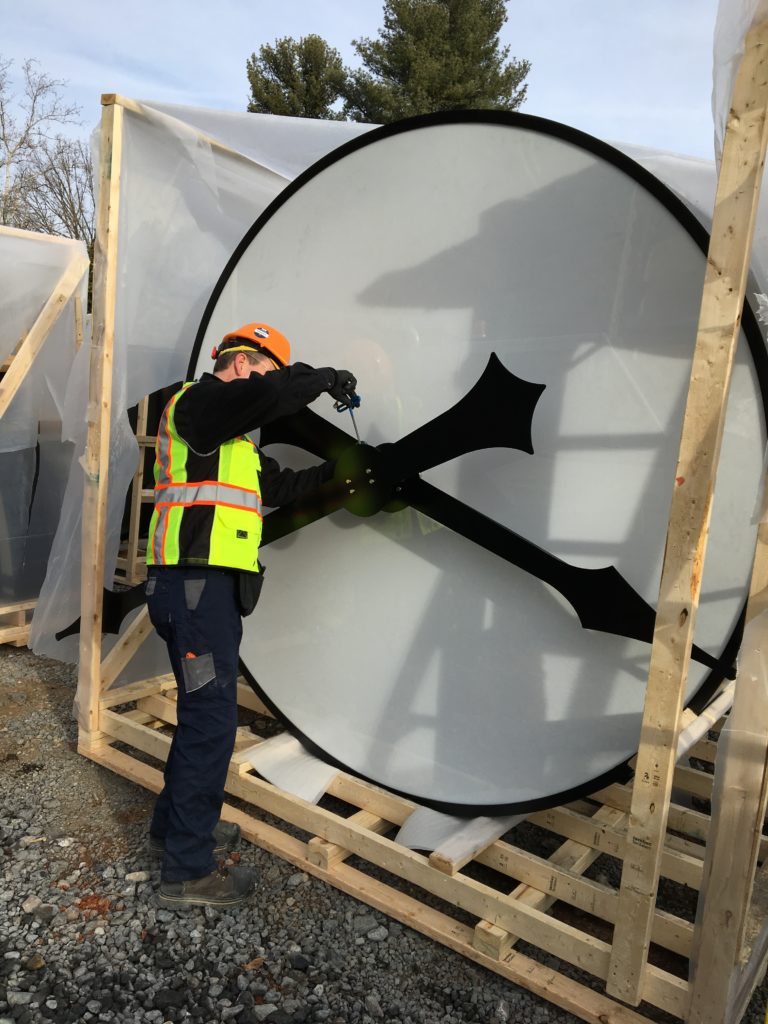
x: 196, y: 612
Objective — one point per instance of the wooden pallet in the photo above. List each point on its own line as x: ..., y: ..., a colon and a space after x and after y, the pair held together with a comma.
x: 508, y: 891
x: 14, y: 622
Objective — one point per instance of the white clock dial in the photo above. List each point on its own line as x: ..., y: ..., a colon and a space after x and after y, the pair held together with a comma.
x: 400, y: 649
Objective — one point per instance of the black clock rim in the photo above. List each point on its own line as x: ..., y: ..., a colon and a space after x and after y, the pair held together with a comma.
x: 698, y: 233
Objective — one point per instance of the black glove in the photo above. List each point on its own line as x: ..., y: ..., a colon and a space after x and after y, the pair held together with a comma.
x: 343, y: 390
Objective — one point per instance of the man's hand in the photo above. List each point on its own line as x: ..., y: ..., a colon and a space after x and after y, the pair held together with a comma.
x: 343, y: 390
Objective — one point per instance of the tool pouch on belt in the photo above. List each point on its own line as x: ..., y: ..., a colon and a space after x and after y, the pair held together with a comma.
x: 249, y: 586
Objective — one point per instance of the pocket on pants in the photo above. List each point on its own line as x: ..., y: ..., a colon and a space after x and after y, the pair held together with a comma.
x: 193, y: 591
x: 198, y: 671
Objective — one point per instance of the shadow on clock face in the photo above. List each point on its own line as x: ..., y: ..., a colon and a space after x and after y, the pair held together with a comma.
x: 466, y: 680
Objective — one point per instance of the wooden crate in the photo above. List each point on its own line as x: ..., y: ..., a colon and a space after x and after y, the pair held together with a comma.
x: 611, y: 932
x: 14, y: 617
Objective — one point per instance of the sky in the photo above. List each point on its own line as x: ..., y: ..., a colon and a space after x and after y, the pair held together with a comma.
x: 623, y: 70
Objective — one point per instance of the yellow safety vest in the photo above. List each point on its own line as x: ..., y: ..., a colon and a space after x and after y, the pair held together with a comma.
x: 207, y: 507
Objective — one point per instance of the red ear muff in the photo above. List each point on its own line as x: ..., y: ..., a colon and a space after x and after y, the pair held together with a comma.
x: 214, y: 353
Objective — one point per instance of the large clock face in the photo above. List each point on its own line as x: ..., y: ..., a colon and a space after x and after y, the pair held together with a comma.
x: 420, y: 647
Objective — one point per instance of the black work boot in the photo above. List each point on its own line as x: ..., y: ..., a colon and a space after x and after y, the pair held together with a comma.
x: 225, y: 834
x: 224, y: 887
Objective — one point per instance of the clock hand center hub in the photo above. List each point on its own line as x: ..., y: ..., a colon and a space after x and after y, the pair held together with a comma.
x: 364, y: 480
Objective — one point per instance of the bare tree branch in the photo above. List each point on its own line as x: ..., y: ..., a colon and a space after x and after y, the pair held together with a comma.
x: 45, y: 179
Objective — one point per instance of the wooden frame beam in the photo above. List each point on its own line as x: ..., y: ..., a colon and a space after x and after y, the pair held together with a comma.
x: 719, y: 322
x: 96, y: 460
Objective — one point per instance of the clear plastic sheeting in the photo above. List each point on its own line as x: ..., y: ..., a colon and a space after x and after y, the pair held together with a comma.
x: 455, y: 838
x: 284, y: 145
x: 185, y: 202
x: 734, y: 20
x: 34, y: 459
x: 284, y: 762
x: 469, y: 683
x: 695, y: 182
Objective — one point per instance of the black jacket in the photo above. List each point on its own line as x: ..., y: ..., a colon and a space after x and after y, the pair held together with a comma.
x: 215, y: 411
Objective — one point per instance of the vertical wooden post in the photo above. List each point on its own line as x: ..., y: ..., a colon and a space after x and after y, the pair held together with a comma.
x: 78, y: 322
x: 99, y: 410
x: 133, y: 574
x: 738, y: 811
x: 719, y: 322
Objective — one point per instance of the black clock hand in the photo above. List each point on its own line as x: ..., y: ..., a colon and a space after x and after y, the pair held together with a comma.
x: 602, y: 598
x: 496, y: 413
x: 366, y: 479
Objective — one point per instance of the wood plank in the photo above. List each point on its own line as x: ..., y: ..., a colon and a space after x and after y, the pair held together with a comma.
x: 134, y: 571
x: 160, y: 706
x: 679, y: 866
x: 121, y: 727
x: 246, y: 698
x: 14, y: 634
x: 736, y: 203
x: 328, y: 855
x: 133, y: 691
x: 30, y: 347
x: 574, y: 856
x: 559, y: 882
x: 125, y: 648
x: 77, y: 303
x: 18, y: 606
x: 96, y: 458
x: 468, y: 840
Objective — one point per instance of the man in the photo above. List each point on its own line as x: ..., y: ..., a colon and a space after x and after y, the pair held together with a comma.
x: 204, y: 574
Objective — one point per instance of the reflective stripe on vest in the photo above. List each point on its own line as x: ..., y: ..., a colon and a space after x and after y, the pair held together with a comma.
x: 182, y: 532
x: 207, y: 493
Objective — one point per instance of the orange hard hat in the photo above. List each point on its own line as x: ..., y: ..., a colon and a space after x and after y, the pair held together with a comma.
x: 256, y: 338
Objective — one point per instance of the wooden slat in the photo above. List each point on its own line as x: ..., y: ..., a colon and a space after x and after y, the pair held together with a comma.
x: 14, y: 634
x: 79, y: 321
x: 134, y: 571
x: 18, y: 606
x: 133, y: 691
x: 27, y: 352
x: 679, y: 866
x: 96, y: 458
x: 125, y: 648
x: 571, y: 855
x: 719, y: 321
x: 328, y: 855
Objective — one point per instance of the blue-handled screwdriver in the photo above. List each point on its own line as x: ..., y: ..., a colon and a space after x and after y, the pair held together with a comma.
x: 352, y: 404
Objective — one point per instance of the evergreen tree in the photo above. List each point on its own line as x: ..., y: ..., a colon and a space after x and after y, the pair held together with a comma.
x: 435, y: 55
x: 299, y: 79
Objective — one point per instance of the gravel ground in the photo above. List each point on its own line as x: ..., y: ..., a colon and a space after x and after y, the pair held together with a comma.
x: 81, y: 938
